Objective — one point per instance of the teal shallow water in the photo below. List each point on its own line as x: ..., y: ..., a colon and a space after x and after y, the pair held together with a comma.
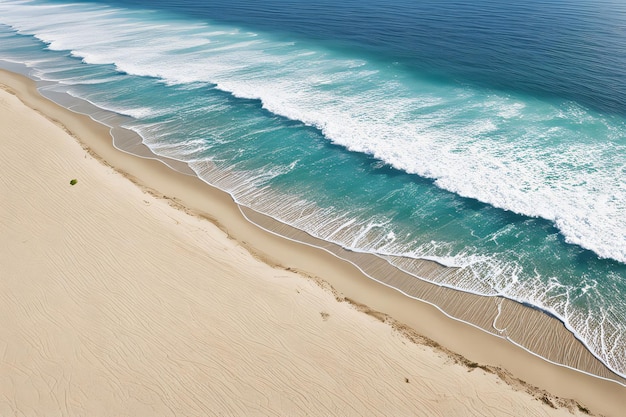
x: 524, y: 191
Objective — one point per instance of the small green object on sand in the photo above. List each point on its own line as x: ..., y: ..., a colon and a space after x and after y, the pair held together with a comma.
x: 73, y: 182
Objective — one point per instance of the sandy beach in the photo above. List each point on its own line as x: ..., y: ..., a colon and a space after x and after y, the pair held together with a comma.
x: 142, y: 291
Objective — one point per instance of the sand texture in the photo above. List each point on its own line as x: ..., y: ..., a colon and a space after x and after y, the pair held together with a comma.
x: 114, y: 301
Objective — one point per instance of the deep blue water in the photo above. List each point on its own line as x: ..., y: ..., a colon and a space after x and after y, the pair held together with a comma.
x: 489, y: 135
x: 572, y: 49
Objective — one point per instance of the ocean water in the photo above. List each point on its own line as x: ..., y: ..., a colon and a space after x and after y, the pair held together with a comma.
x: 486, y: 135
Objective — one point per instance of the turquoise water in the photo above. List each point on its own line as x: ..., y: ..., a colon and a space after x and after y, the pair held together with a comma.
x: 484, y: 135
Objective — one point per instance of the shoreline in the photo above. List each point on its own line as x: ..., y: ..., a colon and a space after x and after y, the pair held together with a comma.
x: 413, y: 278
x: 349, y: 283
x: 418, y: 281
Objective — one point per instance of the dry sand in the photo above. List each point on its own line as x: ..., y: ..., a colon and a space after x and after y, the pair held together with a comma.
x: 113, y: 301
